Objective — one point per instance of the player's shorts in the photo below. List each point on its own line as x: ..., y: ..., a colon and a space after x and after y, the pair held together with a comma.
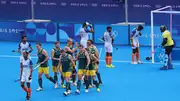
x: 25, y: 78
x: 84, y: 43
x: 44, y: 70
x: 108, y: 47
x: 168, y: 49
x: 66, y: 74
x: 91, y: 73
x: 136, y: 44
x: 55, y: 69
x: 82, y: 72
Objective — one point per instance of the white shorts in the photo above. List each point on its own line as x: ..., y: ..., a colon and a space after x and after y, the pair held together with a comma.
x: 108, y: 47
x: 25, y: 78
x: 84, y: 43
x: 136, y: 44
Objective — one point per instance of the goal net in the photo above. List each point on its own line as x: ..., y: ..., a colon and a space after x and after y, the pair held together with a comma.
x: 163, y: 16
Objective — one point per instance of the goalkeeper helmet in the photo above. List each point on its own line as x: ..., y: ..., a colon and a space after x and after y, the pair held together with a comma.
x: 163, y: 28
x: 85, y: 24
x: 140, y: 27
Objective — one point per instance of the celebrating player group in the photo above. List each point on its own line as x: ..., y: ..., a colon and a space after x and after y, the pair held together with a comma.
x: 64, y: 61
x: 79, y: 62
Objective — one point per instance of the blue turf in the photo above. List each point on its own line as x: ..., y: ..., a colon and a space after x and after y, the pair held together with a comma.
x: 126, y: 82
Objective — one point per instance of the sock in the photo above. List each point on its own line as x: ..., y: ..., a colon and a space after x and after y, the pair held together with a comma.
x: 132, y: 57
x: 107, y: 63
x: 24, y: 88
x: 29, y: 92
x: 165, y: 60
x: 95, y: 83
x: 62, y: 79
x: 74, y: 78
x: 67, y: 86
x: 137, y: 56
x: 99, y: 77
x: 110, y: 60
x: 79, y: 84
x: 87, y: 84
x: 90, y: 80
x: 56, y: 78
x: 52, y: 80
x: 40, y: 82
x: 84, y: 80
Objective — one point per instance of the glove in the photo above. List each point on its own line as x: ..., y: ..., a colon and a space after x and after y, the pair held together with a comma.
x: 140, y: 33
x: 90, y: 25
x: 29, y: 51
x: 112, y: 40
x: 30, y: 77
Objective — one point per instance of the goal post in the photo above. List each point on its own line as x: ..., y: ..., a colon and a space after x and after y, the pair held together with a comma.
x: 33, y: 19
x: 163, y: 10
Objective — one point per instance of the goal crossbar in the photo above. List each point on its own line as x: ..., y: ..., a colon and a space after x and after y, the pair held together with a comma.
x: 169, y: 12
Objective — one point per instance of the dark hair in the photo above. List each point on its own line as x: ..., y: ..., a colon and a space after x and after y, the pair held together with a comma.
x: 62, y: 50
x: 81, y: 46
x: 87, y: 49
x: 56, y: 42
x: 108, y: 27
x: 23, y: 37
x: 92, y: 42
x: 25, y: 52
x: 38, y: 43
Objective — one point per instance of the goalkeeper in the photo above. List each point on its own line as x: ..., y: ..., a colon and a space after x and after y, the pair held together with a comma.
x: 168, y: 44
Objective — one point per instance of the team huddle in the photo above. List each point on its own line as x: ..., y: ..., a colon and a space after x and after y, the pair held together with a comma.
x: 77, y: 63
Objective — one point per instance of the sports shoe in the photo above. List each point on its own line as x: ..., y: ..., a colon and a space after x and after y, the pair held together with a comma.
x: 27, y: 96
x: 63, y: 86
x: 134, y: 63
x: 108, y: 66
x: 86, y: 90
x: 100, y: 83
x: 39, y: 89
x: 98, y: 89
x: 93, y: 85
x: 112, y: 66
x: 77, y: 92
x: 140, y: 62
x: 65, y: 93
x: 69, y: 92
x: 90, y: 86
x: 56, y: 85
x: 164, y: 68
x: 171, y: 68
x: 74, y: 84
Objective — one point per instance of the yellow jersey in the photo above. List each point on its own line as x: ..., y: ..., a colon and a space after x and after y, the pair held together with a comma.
x: 167, y: 35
